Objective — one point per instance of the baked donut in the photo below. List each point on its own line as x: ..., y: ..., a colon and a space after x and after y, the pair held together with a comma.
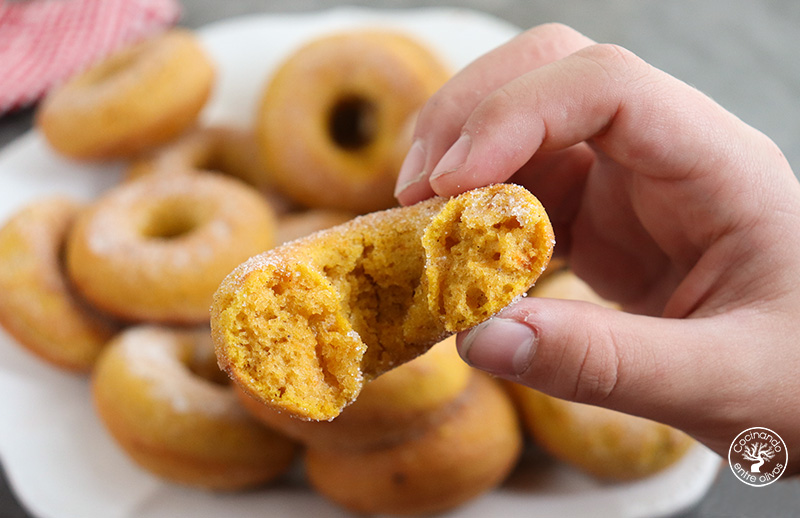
x: 602, y: 442
x: 468, y: 453
x: 37, y: 306
x: 139, y: 97
x: 302, y: 326
x: 399, y: 405
x: 332, y: 114
x: 221, y: 149
x: 177, y: 424
x: 156, y: 249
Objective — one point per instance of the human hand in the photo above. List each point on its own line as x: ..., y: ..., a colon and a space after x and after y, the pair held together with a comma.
x: 663, y: 202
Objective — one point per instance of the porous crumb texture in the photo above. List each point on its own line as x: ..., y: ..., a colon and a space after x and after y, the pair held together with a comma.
x: 484, y: 248
x: 301, y: 327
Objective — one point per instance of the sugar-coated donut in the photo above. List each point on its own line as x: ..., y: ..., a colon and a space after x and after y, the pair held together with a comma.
x: 139, y: 97
x: 470, y: 452
x: 397, y: 406
x: 302, y: 326
x: 155, y: 249
x: 602, y: 442
x: 177, y: 424
x: 208, y: 148
x: 331, y: 117
x: 37, y: 304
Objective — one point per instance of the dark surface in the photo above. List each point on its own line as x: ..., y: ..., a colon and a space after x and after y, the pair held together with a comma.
x: 742, y: 53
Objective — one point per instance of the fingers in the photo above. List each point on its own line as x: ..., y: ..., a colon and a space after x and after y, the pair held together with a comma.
x: 440, y: 121
x: 640, y: 117
x: 640, y: 365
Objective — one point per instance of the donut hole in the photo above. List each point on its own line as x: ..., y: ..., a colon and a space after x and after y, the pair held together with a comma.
x: 169, y: 220
x: 352, y: 123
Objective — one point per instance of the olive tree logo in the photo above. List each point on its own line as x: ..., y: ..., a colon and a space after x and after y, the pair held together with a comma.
x: 758, y: 456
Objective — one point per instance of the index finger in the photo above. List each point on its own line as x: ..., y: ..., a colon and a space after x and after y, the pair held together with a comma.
x: 640, y: 117
x: 441, y: 119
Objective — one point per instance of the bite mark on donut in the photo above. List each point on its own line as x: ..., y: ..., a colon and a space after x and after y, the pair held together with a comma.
x: 303, y: 326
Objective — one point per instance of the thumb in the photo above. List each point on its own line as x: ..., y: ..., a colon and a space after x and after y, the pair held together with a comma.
x: 662, y: 369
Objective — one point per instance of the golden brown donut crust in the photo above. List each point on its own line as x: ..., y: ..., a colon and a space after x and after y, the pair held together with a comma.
x: 331, y: 117
x: 601, y: 442
x: 222, y: 149
x: 471, y: 451
x: 177, y: 424
x: 137, y: 98
x: 157, y: 248
x: 302, y: 326
x: 37, y: 305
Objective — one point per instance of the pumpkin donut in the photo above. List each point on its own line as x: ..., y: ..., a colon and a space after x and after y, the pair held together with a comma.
x: 155, y: 249
x: 334, y: 111
x: 137, y: 98
x: 38, y: 306
x: 599, y: 441
x: 221, y: 149
x: 468, y: 453
x: 176, y: 424
x: 302, y: 326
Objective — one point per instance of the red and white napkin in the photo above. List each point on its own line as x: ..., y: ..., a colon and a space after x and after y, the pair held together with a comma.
x: 43, y: 42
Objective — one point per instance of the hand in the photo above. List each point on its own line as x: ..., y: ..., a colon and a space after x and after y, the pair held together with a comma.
x: 662, y: 201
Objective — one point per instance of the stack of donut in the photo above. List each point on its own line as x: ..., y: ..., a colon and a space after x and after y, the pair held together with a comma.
x: 120, y: 286
x: 424, y: 438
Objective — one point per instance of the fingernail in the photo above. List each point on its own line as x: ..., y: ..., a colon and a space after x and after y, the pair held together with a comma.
x: 500, y: 346
x: 411, y: 172
x: 454, y: 157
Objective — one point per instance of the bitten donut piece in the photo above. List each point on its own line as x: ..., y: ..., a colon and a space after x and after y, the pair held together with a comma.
x: 176, y: 423
x: 336, y: 111
x: 302, y: 326
x: 139, y: 97
x: 469, y: 452
x: 156, y: 249
x: 37, y: 304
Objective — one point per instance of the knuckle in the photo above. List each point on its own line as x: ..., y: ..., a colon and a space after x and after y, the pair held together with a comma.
x: 551, y: 41
x: 552, y: 30
x: 612, y: 56
x: 494, y: 108
x: 598, y: 370
x: 440, y: 107
x: 617, y: 63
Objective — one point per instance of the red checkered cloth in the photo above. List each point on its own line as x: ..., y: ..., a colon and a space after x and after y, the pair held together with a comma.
x: 43, y: 42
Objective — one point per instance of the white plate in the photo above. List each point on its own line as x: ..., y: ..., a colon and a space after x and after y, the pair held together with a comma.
x: 59, y: 459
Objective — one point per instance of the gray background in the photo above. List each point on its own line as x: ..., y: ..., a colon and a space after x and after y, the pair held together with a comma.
x: 742, y: 53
